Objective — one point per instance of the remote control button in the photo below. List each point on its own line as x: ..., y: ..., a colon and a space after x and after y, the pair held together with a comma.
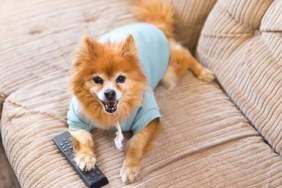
x: 64, y: 139
x: 99, y: 174
x: 61, y: 144
x: 63, y: 147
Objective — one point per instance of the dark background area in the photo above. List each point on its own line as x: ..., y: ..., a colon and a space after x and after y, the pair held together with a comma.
x: 7, y: 176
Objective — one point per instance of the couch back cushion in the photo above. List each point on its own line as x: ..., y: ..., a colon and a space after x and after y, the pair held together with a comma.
x: 190, y: 17
x: 242, y: 43
x: 28, y: 41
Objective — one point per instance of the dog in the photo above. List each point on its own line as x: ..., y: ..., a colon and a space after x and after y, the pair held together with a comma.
x: 114, y: 79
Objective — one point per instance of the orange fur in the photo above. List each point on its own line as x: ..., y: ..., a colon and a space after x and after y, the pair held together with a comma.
x: 137, y: 146
x: 84, y: 149
x: 156, y: 13
x: 108, y: 60
x: 182, y: 60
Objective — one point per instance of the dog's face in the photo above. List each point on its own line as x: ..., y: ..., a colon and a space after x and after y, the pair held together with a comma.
x: 108, y: 76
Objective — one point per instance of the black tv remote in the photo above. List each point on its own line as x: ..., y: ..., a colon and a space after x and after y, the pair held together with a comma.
x: 93, y: 178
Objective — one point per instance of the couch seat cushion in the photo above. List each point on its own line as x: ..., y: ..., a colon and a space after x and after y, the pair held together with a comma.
x: 206, y: 142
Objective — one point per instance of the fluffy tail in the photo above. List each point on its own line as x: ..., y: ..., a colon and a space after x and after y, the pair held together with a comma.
x: 156, y: 12
x: 160, y: 13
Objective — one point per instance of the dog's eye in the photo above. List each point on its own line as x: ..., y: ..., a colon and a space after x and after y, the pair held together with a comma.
x: 98, y: 80
x: 120, y: 79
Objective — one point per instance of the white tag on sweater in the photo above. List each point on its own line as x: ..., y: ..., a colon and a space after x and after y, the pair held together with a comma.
x: 120, y: 141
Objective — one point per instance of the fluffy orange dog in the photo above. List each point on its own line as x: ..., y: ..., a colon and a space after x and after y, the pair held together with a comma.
x: 109, y: 83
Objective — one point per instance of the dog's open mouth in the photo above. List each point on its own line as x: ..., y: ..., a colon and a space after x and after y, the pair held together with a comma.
x: 110, y: 105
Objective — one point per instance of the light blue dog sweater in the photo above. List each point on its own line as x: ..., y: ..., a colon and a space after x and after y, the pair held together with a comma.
x: 153, y: 53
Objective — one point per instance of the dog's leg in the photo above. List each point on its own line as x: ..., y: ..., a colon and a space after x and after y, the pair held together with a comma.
x: 180, y: 61
x: 136, y: 147
x: 177, y: 66
x: 83, y: 149
x: 199, y: 71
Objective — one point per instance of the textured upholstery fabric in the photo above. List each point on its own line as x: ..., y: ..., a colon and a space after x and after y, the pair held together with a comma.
x: 206, y: 142
x: 242, y: 43
x: 39, y: 36
x: 191, y: 16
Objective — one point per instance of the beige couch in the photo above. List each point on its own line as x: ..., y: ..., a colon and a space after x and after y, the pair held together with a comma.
x: 228, y: 136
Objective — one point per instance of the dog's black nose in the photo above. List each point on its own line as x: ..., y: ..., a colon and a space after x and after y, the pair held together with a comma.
x: 110, y: 94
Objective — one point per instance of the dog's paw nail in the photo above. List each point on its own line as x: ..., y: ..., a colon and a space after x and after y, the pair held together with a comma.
x: 206, y: 75
x: 85, y: 162
x: 129, y: 173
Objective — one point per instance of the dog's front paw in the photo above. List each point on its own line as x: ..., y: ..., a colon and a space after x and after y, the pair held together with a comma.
x: 206, y: 75
x: 85, y: 161
x: 129, y: 173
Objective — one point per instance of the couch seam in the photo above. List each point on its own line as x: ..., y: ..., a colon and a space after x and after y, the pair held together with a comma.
x: 225, y: 9
x: 230, y: 35
x: 36, y: 111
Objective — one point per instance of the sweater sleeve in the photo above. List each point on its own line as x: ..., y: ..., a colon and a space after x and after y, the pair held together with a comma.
x: 75, y: 122
x: 146, y: 113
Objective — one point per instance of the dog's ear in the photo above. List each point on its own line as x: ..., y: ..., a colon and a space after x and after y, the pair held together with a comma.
x: 87, y: 51
x: 128, y: 46
x: 90, y: 45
